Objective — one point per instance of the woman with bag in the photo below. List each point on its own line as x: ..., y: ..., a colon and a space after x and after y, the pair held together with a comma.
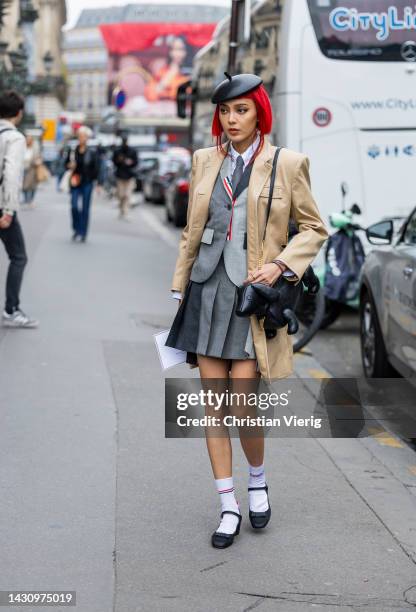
x: 221, y: 249
x: 84, y: 165
x: 32, y: 161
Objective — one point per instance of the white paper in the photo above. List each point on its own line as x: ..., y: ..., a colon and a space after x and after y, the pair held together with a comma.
x: 168, y: 356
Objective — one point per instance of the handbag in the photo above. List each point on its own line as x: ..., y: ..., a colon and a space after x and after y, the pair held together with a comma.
x: 64, y: 182
x: 75, y: 180
x: 67, y: 180
x: 274, y: 306
x: 42, y: 173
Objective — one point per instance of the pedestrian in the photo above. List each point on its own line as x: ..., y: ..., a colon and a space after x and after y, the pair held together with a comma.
x: 125, y: 162
x: 219, y: 251
x: 60, y: 166
x: 31, y: 162
x: 84, y: 164
x: 12, y: 154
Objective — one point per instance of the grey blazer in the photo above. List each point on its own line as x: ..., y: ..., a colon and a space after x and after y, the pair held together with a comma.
x: 214, y: 242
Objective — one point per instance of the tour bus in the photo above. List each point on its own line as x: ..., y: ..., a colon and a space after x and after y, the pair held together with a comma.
x: 342, y: 78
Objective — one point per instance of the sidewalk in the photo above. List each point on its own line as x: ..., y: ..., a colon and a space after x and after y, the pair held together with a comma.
x: 96, y: 500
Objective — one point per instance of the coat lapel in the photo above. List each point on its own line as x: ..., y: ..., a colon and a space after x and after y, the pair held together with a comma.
x: 205, y: 187
x: 262, y: 168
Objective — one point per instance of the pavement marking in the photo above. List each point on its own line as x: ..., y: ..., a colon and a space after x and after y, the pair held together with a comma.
x: 385, y: 438
x: 317, y: 373
x: 157, y: 226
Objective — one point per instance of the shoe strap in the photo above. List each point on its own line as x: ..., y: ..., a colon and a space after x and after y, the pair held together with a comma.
x: 230, y: 512
x: 265, y: 488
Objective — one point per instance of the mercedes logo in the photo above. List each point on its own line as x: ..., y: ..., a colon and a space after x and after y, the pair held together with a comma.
x: 408, y: 51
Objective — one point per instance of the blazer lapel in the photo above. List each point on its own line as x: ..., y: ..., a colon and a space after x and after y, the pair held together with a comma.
x: 262, y: 168
x: 225, y: 168
x: 205, y: 186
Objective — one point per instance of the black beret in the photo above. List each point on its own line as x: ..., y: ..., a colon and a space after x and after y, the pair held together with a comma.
x: 235, y: 87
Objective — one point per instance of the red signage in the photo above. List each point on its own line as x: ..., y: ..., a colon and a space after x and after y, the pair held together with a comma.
x: 322, y: 117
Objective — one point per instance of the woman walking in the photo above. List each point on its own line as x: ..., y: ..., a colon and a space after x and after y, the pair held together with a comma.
x: 85, y: 165
x: 32, y: 160
x: 219, y: 250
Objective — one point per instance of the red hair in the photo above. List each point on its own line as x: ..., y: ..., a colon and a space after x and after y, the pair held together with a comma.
x: 261, y: 99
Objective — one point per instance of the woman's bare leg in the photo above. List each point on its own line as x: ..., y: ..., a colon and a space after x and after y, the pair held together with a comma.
x: 245, y: 379
x: 217, y: 439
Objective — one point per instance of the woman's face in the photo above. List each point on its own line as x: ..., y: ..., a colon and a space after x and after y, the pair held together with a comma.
x: 178, y: 51
x: 239, y: 120
x: 82, y: 138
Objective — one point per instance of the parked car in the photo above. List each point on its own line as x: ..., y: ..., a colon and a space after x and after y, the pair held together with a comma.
x: 177, y: 194
x: 388, y: 300
x: 158, y: 178
x: 147, y: 162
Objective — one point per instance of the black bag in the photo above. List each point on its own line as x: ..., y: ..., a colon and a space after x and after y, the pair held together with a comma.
x: 275, y: 305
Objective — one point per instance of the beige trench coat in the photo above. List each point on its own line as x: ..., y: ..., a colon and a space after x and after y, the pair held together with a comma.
x: 291, y: 197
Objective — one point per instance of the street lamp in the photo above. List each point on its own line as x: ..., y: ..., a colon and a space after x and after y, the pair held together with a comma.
x: 48, y: 61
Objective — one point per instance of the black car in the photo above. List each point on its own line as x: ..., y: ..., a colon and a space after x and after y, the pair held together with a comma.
x: 158, y: 178
x: 147, y: 162
x: 177, y: 194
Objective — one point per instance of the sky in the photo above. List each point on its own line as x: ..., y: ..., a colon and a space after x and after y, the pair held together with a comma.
x: 74, y: 7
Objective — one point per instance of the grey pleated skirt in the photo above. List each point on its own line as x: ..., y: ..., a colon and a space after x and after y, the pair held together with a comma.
x: 206, y: 322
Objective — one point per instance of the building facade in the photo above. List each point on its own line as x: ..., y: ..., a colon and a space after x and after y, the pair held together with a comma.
x: 31, y: 53
x: 86, y: 56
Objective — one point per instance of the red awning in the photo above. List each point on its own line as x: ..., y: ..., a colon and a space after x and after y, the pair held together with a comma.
x: 122, y: 38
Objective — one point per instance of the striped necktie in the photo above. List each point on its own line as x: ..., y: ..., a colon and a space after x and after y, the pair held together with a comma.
x: 238, y: 173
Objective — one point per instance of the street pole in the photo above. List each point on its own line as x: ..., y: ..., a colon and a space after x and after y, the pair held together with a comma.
x: 234, y: 35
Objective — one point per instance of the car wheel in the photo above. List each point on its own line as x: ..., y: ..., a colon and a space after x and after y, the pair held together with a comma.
x: 373, y: 351
x: 176, y: 217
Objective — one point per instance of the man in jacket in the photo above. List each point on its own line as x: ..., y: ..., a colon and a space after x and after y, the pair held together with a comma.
x: 125, y: 161
x: 12, y: 152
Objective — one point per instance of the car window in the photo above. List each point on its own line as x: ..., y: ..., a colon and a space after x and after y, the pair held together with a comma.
x: 146, y: 164
x: 410, y: 232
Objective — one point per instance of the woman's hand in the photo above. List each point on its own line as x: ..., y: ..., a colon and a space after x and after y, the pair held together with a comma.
x: 267, y: 274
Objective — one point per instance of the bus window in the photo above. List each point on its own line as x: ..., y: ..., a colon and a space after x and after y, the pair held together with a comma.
x: 368, y: 30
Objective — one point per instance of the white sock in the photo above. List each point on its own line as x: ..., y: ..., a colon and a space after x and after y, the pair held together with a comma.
x: 257, y: 499
x: 225, y: 489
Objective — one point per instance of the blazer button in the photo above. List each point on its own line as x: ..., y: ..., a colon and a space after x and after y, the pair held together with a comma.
x: 229, y: 206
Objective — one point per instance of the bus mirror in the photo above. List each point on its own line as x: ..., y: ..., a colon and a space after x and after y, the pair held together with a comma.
x: 344, y: 189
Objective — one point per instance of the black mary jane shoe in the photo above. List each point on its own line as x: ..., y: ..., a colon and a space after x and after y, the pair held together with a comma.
x: 259, y: 520
x: 223, y: 540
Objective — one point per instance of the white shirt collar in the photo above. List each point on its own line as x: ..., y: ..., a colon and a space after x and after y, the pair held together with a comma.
x: 248, y: 153
x: 8, y: 124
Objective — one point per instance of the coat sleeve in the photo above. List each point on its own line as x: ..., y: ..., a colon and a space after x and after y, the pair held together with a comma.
x: 13, y: 171
x: 304, y: 246
x: 180, y: 267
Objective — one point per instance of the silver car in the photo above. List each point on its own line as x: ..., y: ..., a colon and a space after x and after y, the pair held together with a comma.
x: 388, y: 301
